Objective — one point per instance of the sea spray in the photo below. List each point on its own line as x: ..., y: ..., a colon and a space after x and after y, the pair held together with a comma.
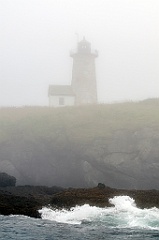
x: 124, y: 214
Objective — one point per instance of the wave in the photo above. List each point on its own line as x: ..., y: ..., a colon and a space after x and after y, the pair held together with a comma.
x: 124, y: 214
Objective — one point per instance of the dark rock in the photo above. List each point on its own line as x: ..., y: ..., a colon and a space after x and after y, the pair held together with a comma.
x: 10, y: 204
x: 6, y: 180
x: 101, y: 185
x: 25, y: 200
x: 100, y: 197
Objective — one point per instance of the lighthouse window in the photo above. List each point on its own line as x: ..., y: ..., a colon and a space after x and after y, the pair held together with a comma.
x: 61, y: 101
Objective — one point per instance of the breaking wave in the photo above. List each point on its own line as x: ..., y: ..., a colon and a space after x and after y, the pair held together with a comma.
x: 124, y: 214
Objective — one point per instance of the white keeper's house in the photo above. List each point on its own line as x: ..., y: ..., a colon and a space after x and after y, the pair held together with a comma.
x: 61, y: 95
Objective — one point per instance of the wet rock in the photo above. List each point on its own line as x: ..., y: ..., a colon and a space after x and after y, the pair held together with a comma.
x: 100, y: 197
x: 25, y: 200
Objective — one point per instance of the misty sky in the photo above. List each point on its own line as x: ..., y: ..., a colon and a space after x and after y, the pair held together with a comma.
x: 37, y: 35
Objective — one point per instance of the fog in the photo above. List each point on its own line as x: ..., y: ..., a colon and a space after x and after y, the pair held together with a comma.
x: 36, y: 37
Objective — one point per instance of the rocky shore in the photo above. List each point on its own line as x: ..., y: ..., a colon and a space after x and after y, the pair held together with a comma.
x: 27, y: 200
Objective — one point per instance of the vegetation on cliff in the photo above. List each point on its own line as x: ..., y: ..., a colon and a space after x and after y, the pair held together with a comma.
x: 77, y: 123
x: 116, y: 144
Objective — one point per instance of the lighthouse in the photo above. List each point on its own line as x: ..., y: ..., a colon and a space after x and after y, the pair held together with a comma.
x: 83, y: 89
x: 84, y: 74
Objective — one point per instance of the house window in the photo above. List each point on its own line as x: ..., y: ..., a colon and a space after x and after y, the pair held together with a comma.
x: 61, y: 101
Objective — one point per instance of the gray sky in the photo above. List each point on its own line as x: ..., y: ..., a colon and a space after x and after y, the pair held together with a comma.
x: 37, y: 35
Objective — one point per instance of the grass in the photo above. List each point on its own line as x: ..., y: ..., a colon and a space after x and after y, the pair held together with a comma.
x: 77, y: 124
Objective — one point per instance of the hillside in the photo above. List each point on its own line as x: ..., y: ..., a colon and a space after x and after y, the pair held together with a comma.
x: 116, y: 144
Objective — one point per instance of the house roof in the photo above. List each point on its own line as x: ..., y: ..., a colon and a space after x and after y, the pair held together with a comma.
x: 65, y: 90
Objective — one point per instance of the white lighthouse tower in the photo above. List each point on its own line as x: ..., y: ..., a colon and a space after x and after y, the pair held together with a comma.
x: 83, y: 74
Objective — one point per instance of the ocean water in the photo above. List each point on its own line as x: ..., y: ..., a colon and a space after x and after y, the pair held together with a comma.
x: 122, y: 221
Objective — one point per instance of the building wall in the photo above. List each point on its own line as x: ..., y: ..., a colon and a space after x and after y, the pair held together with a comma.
x: 61, y: 101
x: 84, y: 78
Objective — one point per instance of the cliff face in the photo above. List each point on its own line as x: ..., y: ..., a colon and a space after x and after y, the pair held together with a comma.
x: 62, y: 148
x: 128, y: 159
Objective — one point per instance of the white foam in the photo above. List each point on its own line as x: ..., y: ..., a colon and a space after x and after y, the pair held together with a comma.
x: 123, y: 203
x: 124, y: 214
x: 74, y: 216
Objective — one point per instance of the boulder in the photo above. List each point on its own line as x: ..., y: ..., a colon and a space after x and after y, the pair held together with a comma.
x: 6, y: 180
